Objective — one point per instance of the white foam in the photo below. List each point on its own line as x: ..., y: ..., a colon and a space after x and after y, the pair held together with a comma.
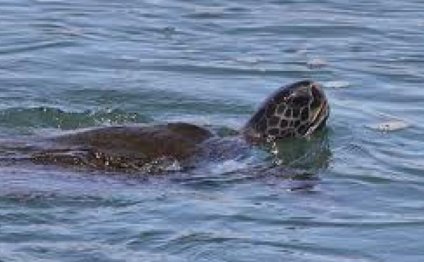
x: 390, y: 125
x: 248, y: 60
x: 336, y: 84
x: 226, y: 166
x: 317, y: 63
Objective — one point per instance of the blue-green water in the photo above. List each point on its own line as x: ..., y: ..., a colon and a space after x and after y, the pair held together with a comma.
x: 83, y: 63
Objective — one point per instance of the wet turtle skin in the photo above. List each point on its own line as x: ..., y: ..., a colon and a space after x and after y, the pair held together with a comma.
x: 145, y: 148
x: 296, y: 110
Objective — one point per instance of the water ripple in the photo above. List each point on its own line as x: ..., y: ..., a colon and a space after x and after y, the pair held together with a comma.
x: 48, y: 117
x: 67, y: 65
x: 35, y: 46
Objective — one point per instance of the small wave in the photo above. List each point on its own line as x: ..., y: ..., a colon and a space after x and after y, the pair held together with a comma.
x: 48, y: 199
x: 216, y: 12
x: 50, y: 117
x: 289, y: 70
x: 35, y: 46
x: 311, y: 30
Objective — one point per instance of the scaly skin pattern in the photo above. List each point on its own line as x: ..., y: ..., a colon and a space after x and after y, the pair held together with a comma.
x: 292, y: 111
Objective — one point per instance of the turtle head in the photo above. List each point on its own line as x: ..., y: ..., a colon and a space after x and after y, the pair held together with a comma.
x: 295, y: 110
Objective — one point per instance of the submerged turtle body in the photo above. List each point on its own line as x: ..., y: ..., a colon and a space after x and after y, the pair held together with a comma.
x: 296, y: 110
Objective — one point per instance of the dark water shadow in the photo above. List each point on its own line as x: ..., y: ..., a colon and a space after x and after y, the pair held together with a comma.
x: 312, y: 154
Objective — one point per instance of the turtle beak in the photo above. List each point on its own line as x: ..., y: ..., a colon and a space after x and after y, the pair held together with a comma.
x: 320, y: 113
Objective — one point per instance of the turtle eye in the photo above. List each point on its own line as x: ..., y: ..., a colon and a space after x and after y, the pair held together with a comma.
x: 300, y: 101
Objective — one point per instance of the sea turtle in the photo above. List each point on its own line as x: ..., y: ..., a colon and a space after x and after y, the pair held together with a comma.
x: 295, y: 110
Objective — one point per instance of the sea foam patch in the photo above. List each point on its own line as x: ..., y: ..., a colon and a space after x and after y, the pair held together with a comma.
x: 390, y: 125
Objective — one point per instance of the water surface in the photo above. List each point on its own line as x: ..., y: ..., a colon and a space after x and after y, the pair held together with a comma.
x: 77, y: 64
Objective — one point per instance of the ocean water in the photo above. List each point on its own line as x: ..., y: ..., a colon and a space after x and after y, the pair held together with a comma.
x: 75, y: 64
